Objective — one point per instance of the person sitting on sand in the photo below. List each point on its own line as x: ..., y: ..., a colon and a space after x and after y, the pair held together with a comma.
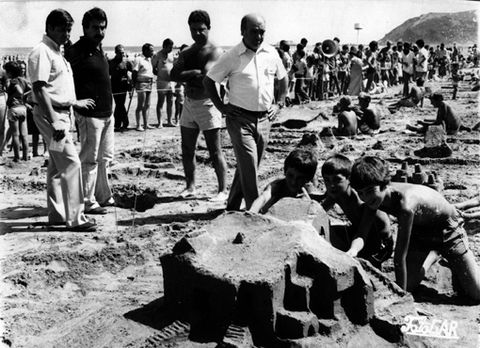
x: 299, y: 169
x: 414, y: 98
x: 427, y: 224
x: 446, y: 117
x: 368, y: 118
x: 347, y: 119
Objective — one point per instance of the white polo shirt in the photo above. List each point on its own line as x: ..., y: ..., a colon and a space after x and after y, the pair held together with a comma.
x: 46, y: 63
x: 250, y: 75
x: 422, y: 59
x: 143, y: 66
x: 407, y: 60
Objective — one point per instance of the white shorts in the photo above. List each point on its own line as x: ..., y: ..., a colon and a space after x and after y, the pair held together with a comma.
x: 200, y: 114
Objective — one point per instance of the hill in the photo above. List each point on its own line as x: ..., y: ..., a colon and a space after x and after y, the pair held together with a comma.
x: 435, y: 28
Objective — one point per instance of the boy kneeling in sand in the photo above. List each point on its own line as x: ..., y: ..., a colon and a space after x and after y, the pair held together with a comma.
x: 426, y: 223
x: 299, y: 169
x: 446, y: 117
x: 374, y: 244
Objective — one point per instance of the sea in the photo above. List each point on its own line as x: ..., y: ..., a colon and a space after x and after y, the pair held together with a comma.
x: 21, y: 53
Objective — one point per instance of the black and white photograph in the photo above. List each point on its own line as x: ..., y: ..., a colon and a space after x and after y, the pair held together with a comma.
x: 213, y: 174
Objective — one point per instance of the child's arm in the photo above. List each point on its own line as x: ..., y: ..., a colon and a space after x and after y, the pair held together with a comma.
x: 358, y: 241
x: 327, y: 203
x: 405, y: 223
x: 260, y: 202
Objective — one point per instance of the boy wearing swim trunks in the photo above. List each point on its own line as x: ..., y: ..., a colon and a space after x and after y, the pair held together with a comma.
x: 427, y: 224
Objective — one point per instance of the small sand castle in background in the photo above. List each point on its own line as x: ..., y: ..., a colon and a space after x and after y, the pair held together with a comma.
x: 419, y: 176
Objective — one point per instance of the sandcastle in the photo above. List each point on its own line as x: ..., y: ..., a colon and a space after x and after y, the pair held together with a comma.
x: 276, y: 283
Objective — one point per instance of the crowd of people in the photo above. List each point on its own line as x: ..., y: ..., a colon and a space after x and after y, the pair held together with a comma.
x: 334, y: 69
x: 65, y: 83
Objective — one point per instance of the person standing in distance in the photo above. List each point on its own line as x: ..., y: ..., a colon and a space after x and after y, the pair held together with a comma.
x: 250, y: 67
x: 162, y: 63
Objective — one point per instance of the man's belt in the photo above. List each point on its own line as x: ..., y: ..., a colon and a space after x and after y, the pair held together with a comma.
x: 258, y: 114
x: 146, y: 79
x: 56, y: 107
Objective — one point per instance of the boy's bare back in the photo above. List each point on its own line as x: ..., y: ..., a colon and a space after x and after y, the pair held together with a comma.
x: 430, y: 208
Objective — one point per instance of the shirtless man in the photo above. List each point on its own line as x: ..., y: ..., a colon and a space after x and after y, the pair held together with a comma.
x: 199, y: 113
x: 162, y: 63
x: 347, y: 119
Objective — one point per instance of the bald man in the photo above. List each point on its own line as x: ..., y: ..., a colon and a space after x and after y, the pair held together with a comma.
x: 250, y: 67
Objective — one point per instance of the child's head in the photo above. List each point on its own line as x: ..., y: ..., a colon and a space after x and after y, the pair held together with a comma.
x: 369, y: 171
x: 336, y: 174
x: 13, y: 69
x: 369, y: 177
x: 299, y: 168
x: 343, y: 104
x: 436, y: 98
x: 364, y: 99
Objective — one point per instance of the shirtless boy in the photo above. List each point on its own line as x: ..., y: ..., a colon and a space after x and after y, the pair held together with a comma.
x: 376, y: 243
x: 446, y: 117
x: 368, y: 118
x: 347, y: 119
x: 299, y: 168
x: 426, y: 223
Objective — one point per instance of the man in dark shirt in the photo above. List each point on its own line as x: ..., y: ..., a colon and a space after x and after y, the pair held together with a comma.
x: 92, y: 80
x: 119, y: 68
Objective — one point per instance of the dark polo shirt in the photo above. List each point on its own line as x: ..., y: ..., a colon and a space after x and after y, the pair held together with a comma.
x: 91, y: 76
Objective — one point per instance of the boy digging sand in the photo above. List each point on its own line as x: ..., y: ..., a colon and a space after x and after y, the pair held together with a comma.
x: 376, y: 246
x: 426, y: 223
x: 299, y: 168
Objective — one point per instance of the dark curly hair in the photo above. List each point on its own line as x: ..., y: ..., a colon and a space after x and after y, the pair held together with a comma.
x: 369, y: 171
x: 337, y: 164
x: 199, y: 16
x: 14, y: 69
x: 94, y: 13
x: 302, y: 160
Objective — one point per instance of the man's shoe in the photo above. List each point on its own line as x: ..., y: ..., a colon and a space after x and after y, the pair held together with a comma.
x: 96, y: 211
x: 109, y: 203
x: 89, y: 226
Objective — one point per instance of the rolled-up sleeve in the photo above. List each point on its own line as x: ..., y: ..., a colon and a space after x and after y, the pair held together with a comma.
x: 281, y: 72
x: 221, y: 68
x: 39, y: 66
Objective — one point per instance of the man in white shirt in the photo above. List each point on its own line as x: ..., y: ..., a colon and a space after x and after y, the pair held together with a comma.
x: 162, y: 63
x: 407, y: 67
x: 421, y: 67
x: 142, y: 79
x: 53, y: 98
x: 250, y: 67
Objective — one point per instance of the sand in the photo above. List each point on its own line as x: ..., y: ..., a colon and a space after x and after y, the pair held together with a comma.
x: 104, y: 289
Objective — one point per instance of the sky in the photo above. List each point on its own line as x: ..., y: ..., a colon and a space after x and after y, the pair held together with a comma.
x: 135, y: 22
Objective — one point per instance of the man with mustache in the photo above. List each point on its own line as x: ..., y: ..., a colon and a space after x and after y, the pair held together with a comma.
x: 96, y: 125
x: 250, y: 67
